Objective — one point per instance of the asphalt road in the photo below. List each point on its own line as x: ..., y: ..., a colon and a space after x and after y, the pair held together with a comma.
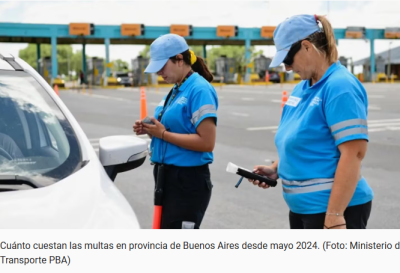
x: 242, y: 111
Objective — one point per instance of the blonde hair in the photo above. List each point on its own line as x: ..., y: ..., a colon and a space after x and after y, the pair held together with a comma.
x: 325, y: 41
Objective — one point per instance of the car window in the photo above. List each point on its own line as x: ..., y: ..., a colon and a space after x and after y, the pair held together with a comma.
x: 36, y: 139
x: 122, y: 75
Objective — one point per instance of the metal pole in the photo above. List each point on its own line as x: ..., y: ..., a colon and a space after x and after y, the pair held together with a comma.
x: 69, y: 74
x: 107, y: 44
x: 328, y: 8
x: 54, y: 69
x: 388, y: 69
x: 84, y: 61
x: 38, y: 58
x: 372, y: 59
x: 248, y: 59
x: 351, y: 65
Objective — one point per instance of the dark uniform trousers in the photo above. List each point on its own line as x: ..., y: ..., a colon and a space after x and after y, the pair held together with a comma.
x: 186, y: 195
x: 356, y: 218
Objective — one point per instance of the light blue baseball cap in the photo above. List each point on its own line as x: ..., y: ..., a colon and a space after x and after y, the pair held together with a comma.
x: 163, y: 48
x: 290, y: 31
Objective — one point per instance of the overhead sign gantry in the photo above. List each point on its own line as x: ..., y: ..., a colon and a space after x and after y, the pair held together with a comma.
x: 90, y: 33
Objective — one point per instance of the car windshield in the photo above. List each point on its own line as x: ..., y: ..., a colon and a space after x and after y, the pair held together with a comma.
x: 36, y: 139
x: 122, y: 74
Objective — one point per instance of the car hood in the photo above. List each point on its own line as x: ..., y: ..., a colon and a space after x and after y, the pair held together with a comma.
x: 86, y: 199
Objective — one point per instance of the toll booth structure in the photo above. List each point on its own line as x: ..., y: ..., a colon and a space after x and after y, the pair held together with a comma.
x: 387, y: 65
x: 139, y: 77
x: 379, y: 69
x: 88, y: 33
x: 347, y: 62
x: 45, y: 68
x: 95, y: 71
x: 225, y: 69
x: 261, y: 65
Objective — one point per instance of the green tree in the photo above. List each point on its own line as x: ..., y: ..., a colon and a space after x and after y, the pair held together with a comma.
x: 120, y: 65
x: 197, y: 50
x: 145, y: 53
x: 236, y: 52
x: 65, y: 57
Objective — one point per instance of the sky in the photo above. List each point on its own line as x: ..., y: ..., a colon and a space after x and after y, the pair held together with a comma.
x: 371, y: 14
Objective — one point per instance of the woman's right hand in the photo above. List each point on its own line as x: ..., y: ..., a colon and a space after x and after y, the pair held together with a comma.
x: 268, y: 171
x: 138, y: 128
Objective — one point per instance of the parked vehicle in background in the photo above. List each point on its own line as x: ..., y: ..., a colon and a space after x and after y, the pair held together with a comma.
x: 123, y: 78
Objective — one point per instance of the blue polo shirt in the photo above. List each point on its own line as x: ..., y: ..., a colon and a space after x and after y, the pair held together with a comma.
x: 195, y: 100
x: 315, y: 121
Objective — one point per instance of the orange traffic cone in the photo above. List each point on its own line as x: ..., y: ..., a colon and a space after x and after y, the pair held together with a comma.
x: 267, y: 77
x: 143, y: 103
x: 56, y: 89
x: 284, y: 99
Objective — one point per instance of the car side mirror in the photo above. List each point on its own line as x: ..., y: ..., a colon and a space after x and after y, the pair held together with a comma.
x: 121, y: 153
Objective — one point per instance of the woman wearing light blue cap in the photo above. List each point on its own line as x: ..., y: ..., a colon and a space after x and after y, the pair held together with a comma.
x: 183, y: 132
x: 323, y: 134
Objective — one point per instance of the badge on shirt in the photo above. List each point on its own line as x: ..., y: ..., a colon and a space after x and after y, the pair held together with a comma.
x: 293, y: 101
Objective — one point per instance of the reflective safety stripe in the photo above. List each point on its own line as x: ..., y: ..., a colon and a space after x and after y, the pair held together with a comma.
x: 347, y: 123
x: 319, y: 187
x: 307, y: 182
x: 318, y: 184
x: 349, y: 132
x: 205, y: 109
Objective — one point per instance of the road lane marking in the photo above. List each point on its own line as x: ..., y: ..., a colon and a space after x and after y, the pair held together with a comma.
x: 376, y: 130
x: 240, y: 114
x: 383, y: 120
x: 248, y: 99
x: 383, y: 124
x: 376, y: 96
x: 373, y: 126
x: 262, y: 128
x: 373, y: 107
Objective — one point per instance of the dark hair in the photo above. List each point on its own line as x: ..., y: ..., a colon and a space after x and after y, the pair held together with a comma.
x: 325, y: 41
x: 199, y: 66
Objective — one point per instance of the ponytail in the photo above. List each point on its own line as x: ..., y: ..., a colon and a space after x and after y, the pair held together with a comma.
x: 325, y: 41
x: 200, y: 67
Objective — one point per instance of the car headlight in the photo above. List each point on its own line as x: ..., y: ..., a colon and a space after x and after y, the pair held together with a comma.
x: 119, y: 79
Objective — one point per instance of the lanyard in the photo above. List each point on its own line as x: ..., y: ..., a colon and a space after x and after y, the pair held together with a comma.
x: 172, y: 94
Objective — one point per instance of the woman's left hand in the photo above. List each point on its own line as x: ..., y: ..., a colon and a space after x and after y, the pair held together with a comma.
x: 155, y: 130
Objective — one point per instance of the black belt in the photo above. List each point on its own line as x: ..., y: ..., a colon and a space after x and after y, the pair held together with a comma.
x: 172, y: 167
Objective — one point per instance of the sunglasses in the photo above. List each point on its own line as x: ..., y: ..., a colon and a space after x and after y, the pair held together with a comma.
x: 293, y: 50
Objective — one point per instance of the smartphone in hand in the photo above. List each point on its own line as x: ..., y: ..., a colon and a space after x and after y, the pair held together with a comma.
x: 148, y: 120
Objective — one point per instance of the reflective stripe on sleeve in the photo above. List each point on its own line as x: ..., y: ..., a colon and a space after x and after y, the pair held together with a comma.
x: 347, y: 123
x: 205, y: 109
x: 349, y: 132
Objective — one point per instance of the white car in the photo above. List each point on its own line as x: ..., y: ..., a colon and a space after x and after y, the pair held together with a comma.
x: 50, y: 175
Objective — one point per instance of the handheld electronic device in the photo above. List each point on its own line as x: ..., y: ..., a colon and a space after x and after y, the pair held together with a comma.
x: 244, y: 173
x: 148, y: 120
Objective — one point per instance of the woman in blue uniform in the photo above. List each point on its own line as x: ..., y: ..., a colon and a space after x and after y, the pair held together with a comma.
x: 184, y: 131
x: 323, y: 134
